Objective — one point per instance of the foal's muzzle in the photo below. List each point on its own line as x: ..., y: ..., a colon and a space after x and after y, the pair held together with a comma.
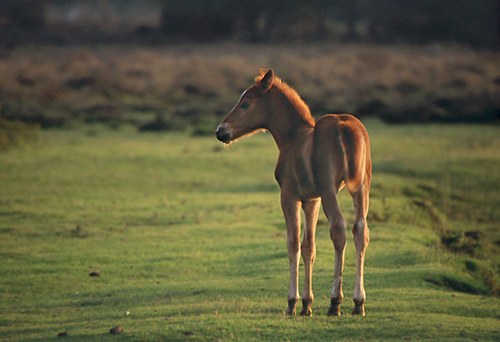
x: 223, y: 134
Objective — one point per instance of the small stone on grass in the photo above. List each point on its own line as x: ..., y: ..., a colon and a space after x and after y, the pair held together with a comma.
x: 116, y: 330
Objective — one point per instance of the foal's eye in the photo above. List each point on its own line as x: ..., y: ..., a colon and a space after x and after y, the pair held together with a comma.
x: 245, y: 105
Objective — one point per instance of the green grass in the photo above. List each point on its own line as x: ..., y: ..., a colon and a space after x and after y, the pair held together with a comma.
x: 190, y: 241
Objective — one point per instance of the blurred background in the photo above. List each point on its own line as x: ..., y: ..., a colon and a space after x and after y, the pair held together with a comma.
x: 180, y: 65
x: 474, y: 23
x: 100, y: 173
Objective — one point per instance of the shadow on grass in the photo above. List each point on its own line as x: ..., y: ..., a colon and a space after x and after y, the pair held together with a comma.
x: 459, y: 284
x: 90, y: 337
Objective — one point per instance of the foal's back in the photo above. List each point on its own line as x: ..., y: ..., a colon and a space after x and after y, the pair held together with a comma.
x: 341, y: 153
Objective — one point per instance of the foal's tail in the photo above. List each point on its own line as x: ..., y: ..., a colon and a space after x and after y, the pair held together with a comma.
x: 356, y: 147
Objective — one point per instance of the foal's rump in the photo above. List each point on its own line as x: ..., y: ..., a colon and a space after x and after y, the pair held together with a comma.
x: 341, y: 152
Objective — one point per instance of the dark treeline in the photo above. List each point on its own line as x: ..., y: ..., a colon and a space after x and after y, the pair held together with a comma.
x: 475, y: 23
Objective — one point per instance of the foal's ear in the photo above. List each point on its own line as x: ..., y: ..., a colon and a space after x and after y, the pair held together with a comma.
x: 267, y: 80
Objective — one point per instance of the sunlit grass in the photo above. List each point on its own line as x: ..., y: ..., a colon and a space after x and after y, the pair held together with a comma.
x: 189, y: 239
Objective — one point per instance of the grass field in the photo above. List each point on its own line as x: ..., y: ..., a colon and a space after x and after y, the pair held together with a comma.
x: 189, y: 240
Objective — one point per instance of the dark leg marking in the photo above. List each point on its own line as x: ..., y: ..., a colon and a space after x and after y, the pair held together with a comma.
x: 306, y: 308
x: 334, y: 309
x: 290, y: 310
x: 359, y: 308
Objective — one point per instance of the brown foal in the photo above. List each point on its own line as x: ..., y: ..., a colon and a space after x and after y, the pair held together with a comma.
x: 316, y: 160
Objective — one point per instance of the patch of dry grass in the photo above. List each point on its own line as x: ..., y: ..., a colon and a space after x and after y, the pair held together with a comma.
x: 199, y: 83
x: 14, y: 133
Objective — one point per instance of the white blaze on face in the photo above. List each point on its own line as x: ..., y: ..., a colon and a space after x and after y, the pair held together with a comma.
x: 243, y: 94
x: 225, y: 129
x: 239, y: 101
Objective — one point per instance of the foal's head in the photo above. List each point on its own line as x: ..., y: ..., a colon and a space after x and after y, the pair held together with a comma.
x: 250, y: 113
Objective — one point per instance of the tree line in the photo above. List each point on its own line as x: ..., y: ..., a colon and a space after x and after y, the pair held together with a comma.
x: 475, y: 23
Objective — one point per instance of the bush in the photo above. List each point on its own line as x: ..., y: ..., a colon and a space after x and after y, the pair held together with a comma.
x: 16, y: 133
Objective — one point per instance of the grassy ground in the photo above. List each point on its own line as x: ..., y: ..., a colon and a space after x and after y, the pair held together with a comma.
x: 189, y: 240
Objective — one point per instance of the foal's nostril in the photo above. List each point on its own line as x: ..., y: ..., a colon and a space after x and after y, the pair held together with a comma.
x: 222, y: 134
x: 219, y: 132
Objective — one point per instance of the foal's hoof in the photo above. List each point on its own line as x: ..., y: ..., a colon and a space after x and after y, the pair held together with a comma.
x: 306, y: 308
x: 290, y: 310
x: 334, y: 309
x: 359, y: 310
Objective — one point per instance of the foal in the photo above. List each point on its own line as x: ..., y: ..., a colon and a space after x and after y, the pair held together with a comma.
x: 316, y: 160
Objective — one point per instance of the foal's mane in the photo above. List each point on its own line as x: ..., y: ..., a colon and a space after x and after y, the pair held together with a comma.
x: 292, y: 96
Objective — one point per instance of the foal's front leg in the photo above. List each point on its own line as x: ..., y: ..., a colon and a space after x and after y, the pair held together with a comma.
x: 311, y: 208
x: 291, y: 210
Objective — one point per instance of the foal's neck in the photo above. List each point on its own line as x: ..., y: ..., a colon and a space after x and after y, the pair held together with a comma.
x: 289, y: 122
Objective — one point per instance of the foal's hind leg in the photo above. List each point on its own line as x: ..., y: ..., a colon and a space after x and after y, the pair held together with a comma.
x: 361, y: 239
x: 308, y: 249
x: 338, y: 236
